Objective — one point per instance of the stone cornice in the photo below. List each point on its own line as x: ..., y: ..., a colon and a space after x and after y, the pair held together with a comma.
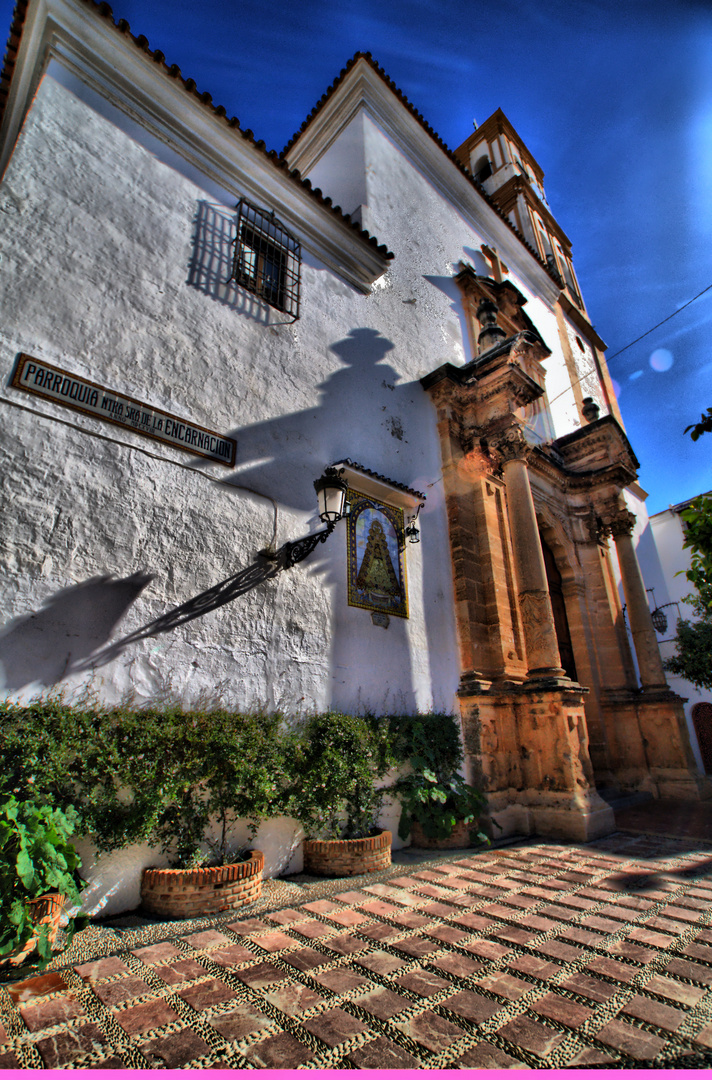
x: 579, y: 319
x: 83, y: 38
x: 597, y: 446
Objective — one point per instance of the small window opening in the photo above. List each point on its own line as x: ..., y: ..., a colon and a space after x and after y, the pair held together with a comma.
x: 483, y: 169
x: 267, y: 258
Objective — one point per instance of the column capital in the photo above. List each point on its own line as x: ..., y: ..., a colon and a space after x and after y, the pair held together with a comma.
x: 512, y: 446
x: 622, y: 523
x: 609, y: 519
x: 595, y: 527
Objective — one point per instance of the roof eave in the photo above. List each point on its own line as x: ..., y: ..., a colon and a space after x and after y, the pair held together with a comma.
x: 123, y: 68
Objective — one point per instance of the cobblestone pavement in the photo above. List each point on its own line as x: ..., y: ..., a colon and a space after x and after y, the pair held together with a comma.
x: 535, y: 955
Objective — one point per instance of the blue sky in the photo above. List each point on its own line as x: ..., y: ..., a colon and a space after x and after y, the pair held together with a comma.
x: 614, y: 99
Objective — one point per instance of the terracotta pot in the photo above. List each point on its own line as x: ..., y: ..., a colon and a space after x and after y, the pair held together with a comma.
x: 46, y: 909
x: 345, y: 858
x: 460, y: 837
x: 183, y: 894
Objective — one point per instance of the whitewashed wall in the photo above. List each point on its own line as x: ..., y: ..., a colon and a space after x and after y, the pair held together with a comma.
x: 106, y: 530
x: 115, y: 255
x: 662, y: 558
x: 430, y: 237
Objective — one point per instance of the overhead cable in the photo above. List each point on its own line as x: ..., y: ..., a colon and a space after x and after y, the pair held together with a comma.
x: 659, y: 324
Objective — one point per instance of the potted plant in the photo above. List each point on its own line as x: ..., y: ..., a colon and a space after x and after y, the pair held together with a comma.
x: 222, y: 768
x: 336, y: 762
x: 439, y: 809
x: 38, y: 878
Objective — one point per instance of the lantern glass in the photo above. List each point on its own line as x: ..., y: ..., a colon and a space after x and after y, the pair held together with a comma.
x: 413, y: 534
x: 660, y: 621
x: 331, y: 496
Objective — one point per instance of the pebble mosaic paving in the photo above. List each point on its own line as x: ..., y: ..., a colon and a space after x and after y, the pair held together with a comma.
x: 537, y: 955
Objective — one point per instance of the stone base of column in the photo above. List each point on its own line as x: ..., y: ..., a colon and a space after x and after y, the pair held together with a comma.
x: 548, y: 679
x: 649, y: 748
x: 683, y: 787
x: 556, y: 815
x: 528, y: 750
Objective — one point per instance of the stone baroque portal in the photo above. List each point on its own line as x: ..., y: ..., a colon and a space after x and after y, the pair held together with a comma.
x: 538, y: 742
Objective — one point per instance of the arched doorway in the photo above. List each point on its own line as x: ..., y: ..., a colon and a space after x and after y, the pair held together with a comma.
x: 558, y: 606
x: 702, y: 719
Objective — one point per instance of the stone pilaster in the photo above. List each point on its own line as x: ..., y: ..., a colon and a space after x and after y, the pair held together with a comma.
x: 533, y: 591
x: 645, y: 642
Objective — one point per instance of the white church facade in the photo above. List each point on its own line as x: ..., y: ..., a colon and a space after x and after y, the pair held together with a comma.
x: 195, y: 328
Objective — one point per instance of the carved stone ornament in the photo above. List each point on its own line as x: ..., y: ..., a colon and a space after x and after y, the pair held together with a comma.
x: 623, y: 523
x: 597, y: 529
x: 512, y: 446
x: 609, y: 519
x: 521, y: 347
x: 539, y: 631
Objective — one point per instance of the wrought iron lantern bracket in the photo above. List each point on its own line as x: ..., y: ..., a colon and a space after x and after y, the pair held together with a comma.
x: 295, y: 551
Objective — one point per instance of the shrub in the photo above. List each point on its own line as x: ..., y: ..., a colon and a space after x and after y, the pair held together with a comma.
x: 181, y: 778
x: 156, y: 776
x: 337, y: 760
x: 36, y: 857
x: 434, y: 793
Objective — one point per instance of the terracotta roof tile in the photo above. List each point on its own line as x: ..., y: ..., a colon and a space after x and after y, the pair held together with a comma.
x: 433, y: 134
x: 172, y: 70
x: 13, y: 44
x: 379, y: 476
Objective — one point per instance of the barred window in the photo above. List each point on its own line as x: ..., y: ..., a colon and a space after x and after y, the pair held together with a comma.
x: 267, y: 258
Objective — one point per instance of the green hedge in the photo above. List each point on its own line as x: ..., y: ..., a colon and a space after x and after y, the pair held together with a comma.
x: 161, y: 775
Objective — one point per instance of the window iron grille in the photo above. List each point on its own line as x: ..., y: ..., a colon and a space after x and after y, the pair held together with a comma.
x: 267, y: 258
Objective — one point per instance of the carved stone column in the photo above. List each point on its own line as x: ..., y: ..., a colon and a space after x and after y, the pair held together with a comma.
x: 533, y: 590
x: 650, y: 666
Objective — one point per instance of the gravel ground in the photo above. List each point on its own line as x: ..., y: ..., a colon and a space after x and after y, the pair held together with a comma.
x: 531, y: 955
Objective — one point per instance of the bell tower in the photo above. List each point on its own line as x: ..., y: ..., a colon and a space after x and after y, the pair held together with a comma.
x: 500, y: 161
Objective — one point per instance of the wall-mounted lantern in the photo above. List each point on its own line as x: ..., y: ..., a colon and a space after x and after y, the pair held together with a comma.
x: 331, y: 491
x: 331, y: 495
x: 658, y: 616
x: 411, y: 530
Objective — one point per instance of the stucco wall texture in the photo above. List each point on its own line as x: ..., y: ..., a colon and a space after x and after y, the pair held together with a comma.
x: 100, y: 278
x: 116, y: 254
x: 115, y: 262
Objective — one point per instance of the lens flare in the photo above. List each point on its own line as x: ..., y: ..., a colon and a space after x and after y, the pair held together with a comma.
x: 661, y: 360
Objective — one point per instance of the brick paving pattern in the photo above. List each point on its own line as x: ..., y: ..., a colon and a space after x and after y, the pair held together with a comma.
x: 537, y: 955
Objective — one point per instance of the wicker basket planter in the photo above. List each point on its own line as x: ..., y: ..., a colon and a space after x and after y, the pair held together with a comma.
x: 43, y: 909
x: 183, y: 894
x: 460, y: 838
x: 345, y: 858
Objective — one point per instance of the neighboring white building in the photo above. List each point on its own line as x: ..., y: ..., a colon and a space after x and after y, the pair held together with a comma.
x: 194, y: 328
x: 664, y: 561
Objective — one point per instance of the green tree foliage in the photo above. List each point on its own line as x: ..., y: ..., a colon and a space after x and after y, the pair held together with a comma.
x: 704, y: 426
x: 693, y: 645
